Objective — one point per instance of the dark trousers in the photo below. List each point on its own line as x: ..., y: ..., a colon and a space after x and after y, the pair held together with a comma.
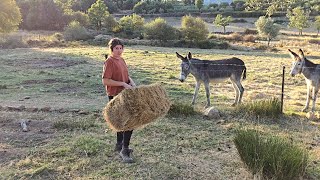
x: 123, y: 137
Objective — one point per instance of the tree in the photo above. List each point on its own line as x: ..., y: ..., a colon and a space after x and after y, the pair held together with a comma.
x: 97, y: 13
x: 271, y: 6
x: 221, y: 21
x: 10, y: 16
x: 267, y: 28
x: 159, y: 29
x: 298, y: 19
x: 44, y: 15
x: 194, y: 29
x: 132, y: 25
x: 199, y: 4
x: 317, y: 24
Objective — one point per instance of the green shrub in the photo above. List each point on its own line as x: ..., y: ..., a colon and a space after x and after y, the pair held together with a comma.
x: 264, y: 108
x: 177, y: 109
x: 140, y: 7
x: 74, y: 31
x: 194, y: 28
x: 79, y: 16
x: 160, y: 30
x: 270, y: 156
x: 250, y: 31
x: 132, y: 25
x: 12, y: 42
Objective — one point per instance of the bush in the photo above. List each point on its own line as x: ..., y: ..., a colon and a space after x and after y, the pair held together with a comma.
x: 110, y: 23
x: 132, y: 25
x: 194, y: 28
x: 81, y: 17
x: 250, y: 31
x: 74, y: 31
x: 266, y: 108
x: 314, y: 41
x: 249, y: 38
x: 160, y: 30
x: 270, y: 156
x: 234, y: 37
x: 12, y: 42
x: 177, y: 109
x: 58, y: 36
x: 140, y: 7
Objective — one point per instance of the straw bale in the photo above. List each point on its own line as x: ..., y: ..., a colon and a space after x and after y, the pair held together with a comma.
x: 136, y: 107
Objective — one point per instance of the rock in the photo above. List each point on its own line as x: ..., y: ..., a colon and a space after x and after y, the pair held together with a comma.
x: 211, y: 112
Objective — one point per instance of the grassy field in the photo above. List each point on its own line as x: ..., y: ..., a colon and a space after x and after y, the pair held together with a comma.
x: 59, y: 90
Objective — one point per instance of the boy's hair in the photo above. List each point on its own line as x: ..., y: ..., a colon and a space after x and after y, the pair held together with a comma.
x: 114, y: 42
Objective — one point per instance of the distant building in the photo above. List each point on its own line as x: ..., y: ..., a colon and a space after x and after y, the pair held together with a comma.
x: 207, y: 2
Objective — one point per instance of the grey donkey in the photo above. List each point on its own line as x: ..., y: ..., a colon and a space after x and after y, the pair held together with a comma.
x: 311, y: 73
x: 206, y: 71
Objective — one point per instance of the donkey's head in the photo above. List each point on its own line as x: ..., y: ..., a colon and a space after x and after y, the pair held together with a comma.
x: 298, y: 62
x: 185, y: 66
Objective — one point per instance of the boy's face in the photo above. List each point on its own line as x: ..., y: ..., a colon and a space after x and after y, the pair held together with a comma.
x: 117, y: 51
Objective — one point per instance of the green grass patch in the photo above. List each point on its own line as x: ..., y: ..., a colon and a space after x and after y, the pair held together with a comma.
x: 261, y: 108
x: 88, y: 145
x: 270, y: 156
x: 178, y: 108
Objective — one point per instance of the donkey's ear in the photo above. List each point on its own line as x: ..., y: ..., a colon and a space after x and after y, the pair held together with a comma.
x: 189, y: 56
x: 293, y: 54
x: 301, y: 54
x: 179, y: 56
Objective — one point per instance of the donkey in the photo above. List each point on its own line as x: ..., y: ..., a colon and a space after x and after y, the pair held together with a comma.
x: 311, y: 73
x: 206, y: 71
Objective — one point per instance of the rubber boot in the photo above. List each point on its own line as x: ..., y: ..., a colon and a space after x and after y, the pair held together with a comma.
x: 125, y: 155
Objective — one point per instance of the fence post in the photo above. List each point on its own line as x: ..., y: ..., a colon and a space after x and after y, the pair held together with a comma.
x: 282, y: 90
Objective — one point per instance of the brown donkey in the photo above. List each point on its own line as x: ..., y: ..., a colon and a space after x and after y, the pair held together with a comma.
x: 311, y: 73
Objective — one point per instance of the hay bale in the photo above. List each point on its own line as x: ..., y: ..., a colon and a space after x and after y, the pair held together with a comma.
x: 136, y: 107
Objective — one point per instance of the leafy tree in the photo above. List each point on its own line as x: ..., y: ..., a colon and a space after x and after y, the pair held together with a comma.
x: 10, y: 16
x: 298, y: 19
x: 267, y: 28
x: 78, y: 16
x: 194, y: 28
x: 159, y: 29
x: 97, y: 13
x: 270, y: 5
x: 74, y: 31
x: 317, y: 24
x: 110, y: 23
x: 132, y: 25
x: 221, y: 21
x: 199, y: 4
x: 44, y: 15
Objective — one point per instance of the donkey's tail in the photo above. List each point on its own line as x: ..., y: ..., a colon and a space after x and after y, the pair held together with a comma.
x: 244, y: 73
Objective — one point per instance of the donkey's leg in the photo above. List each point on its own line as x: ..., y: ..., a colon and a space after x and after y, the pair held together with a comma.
x: 236, y: 89
x: 196, y: 90
x: 308, y: 98
x: 207, y: 87
x: 314, y: 97
x: 241, y: 90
